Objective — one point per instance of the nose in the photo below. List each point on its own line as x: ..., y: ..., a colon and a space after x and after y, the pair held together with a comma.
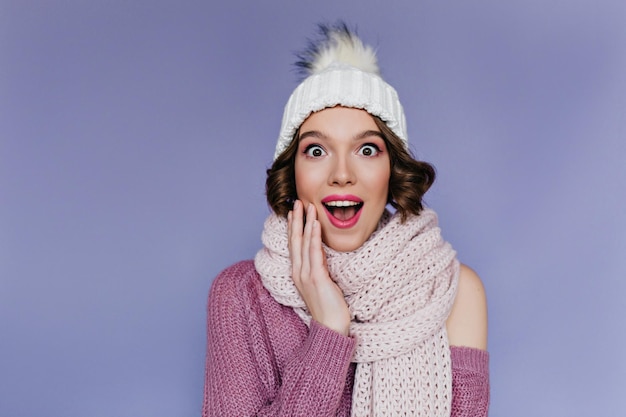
x: 342, y: 172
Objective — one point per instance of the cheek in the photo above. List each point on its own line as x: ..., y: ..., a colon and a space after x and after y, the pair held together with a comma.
x: 307, y: 182
x: 379, y: 183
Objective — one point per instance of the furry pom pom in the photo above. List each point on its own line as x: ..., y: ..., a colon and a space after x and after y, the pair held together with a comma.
x: 339, y: 45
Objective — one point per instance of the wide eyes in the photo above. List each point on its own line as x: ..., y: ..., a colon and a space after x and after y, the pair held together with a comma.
x: 314, y: 151
x: 367, y: 150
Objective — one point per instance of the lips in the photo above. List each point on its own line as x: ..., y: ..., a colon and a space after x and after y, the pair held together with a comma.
x: 343, y: 211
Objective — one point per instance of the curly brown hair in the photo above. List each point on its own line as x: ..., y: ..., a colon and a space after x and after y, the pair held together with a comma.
x: 409, y: 180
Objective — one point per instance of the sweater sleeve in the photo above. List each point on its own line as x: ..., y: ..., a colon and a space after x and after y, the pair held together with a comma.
x: 470, y: 382
x: 311, y: 383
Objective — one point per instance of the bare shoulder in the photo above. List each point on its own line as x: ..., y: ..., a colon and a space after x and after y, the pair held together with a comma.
x: 467, y: 323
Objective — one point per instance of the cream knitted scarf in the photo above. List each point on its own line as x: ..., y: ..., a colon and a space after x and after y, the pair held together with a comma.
x: 400, y: 286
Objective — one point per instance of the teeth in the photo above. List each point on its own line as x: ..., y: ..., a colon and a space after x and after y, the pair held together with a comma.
x: 342, y: 203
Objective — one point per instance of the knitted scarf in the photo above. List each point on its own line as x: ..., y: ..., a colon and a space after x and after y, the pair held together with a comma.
x: 400, y: 286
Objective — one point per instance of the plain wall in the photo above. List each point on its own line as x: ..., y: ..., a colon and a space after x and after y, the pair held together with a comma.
x: 134, y: 138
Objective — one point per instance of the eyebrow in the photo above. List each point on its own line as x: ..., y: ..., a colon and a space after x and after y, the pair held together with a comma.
x: 319, y: 135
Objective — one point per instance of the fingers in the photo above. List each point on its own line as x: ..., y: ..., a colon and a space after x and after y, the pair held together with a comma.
x: 311, y: 220
x: 316, y: 253
x: 295, y: 224
x: 304, y: 239
x: 322, y: 297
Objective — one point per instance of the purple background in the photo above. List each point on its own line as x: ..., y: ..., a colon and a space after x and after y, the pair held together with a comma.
x: 134, y: 136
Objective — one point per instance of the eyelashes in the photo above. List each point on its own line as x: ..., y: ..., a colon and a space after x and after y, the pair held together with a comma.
x: 369, y: 149
x: 315, y: 150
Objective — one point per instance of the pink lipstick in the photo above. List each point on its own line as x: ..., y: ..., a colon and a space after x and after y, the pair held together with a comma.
x: 343, y: 211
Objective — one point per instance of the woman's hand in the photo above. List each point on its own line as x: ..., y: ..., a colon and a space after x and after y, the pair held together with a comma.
x: 321, y: 295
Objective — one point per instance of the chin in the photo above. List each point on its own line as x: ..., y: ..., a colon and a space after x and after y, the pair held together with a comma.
x: 344, y: 243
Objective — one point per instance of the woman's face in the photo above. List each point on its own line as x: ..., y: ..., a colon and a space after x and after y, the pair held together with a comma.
x: 342, y: 167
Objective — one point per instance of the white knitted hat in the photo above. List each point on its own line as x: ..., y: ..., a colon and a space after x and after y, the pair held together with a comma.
x: 341, y: 71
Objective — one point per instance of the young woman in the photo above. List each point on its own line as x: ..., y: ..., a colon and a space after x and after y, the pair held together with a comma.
x: 348, y: 310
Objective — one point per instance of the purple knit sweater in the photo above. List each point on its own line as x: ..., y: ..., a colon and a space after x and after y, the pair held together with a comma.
x: 262, y: 360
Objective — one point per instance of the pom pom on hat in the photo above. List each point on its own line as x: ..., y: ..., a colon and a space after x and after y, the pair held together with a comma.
x: 338, y: 46
x: 340, y: 70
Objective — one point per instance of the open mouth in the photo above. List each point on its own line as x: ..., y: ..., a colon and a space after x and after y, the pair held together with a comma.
x: 343, y: 210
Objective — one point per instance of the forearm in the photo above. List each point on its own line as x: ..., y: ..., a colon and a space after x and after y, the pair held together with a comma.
x: 313, y: 381
x: 242, y: 378
x: 470, y: 382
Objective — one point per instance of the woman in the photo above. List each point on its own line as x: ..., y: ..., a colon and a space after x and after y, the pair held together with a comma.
x: 348, y: 309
